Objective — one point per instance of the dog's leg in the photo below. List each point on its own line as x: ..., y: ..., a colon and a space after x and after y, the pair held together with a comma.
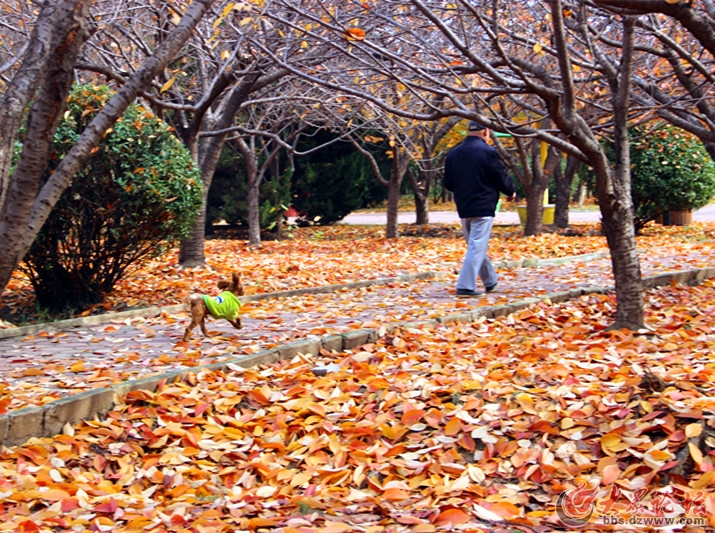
x: 198, y: 310
x: 236, y: 323
x: 191, y: 326
x: 202, y: 323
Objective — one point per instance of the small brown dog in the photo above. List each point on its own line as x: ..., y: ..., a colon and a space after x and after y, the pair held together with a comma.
x: 225, y: 305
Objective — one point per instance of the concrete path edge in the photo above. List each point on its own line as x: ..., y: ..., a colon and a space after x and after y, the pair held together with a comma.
x: 17, y: 427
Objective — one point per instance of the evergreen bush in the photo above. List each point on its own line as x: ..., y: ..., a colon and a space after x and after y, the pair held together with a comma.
x: 333, y: 182
x: 137, y: 194
x: 670, y: 171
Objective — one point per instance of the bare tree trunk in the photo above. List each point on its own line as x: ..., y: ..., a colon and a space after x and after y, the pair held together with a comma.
x: 250, y: 159
x: 54, y: 23
x: 614, y: 197
x: 420, y: 190
x: 421, y: 209
x: 564, y: 181
x: 254, y: 209
x: 534, y: 209
x: 400, y: 164
x: 58, y: 36
x: 17, y: 232
x: 191, y: 250
x: 392, y: 230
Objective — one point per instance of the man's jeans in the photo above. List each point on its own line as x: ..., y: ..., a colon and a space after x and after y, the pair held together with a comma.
x: 476, y: 263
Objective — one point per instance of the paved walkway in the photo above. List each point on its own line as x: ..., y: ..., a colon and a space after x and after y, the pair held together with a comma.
x: 48, y: 367
x: 706, y: 214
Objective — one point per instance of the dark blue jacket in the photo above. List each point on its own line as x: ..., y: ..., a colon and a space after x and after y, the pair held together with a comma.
x: 476, y: 175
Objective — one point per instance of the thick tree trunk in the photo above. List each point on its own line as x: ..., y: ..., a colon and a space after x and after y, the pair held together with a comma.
x: 53, y: 22
x: 535, y: 209
x: 421, y: 209
x: 17, y: 232
x: 60, y: 33
x: 192, y: 255
x: 620, y: 234
x: 191, y: 252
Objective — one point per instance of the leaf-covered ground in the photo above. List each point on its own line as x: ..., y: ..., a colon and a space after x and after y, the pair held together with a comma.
x: 337, y: 254
x: 477, y: 427
x: 474, y: 427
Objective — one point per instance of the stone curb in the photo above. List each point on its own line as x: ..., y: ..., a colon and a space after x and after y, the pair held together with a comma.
x: 18, y: 426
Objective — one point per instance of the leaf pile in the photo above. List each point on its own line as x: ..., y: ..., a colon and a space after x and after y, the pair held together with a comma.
x: 476, y: 427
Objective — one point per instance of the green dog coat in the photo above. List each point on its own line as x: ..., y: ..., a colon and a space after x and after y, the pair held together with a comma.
x: 225, y: 305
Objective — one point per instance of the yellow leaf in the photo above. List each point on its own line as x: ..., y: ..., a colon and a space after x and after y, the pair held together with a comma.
x: 695, y: 453
x: 538, y: 48
x: 167, y: 85
x: 693, y: 430
x: 77, y: 367
x: 612, y: 443
x: 703, y: 482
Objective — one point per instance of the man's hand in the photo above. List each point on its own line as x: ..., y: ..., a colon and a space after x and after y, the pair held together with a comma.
x: 511, y: 198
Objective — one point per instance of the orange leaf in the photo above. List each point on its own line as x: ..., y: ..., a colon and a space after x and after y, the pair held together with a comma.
x: 28, y: 526
x: 610, y: 474
x: 452, y: 427
x: 355, y: 34
x: 410, y: 418
x: 396, y: 495
x: 55, y: 495
x: 506, y: 510
x: 452, y: 516
x: 255, y: 523
x: 77, y: 367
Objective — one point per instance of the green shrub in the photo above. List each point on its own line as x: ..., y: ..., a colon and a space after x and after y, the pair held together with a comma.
x: 334, y: 181
x: 670, y: 171
x: 137, y: 194
x: 227, y: 198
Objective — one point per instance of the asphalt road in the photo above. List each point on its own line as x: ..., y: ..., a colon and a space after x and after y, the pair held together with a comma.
x: 706, y: 214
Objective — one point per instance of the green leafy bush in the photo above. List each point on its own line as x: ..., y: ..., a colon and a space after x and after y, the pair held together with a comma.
x: 334, y: 181
x: 137, y: 194
x: 670, y: 171
x: 227, y: 198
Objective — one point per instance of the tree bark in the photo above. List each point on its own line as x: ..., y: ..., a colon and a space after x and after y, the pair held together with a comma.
x: 400, y: 164
x: 191, y: 251
x: 613, y: 187
x: 392, y: 230
x: 54, y: 23
x: 564, y: 182
x: 421, y: 190
x: 18, y: 232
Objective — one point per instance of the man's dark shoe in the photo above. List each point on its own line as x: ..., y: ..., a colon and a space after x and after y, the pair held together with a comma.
x: 491, y: 288
x: 467, y: 292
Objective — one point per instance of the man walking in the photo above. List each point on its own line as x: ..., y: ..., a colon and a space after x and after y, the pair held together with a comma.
x: 476, y: 175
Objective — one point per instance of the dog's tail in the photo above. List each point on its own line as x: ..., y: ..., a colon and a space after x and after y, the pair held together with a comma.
x: 195, y: 299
